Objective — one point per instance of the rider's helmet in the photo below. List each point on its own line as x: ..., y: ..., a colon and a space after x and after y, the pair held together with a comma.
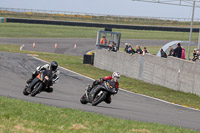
x: 116, y: 76
x: 53, y: 65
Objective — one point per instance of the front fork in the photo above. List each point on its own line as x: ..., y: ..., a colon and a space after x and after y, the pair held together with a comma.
x: 86, y: 91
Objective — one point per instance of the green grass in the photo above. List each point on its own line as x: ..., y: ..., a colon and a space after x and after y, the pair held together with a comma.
x: 75, y: 63
x: 18, y: 30
x: 26, y: 117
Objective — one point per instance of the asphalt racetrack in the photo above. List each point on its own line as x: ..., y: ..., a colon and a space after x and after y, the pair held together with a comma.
x: 66, y: 46
x: 16, y: 68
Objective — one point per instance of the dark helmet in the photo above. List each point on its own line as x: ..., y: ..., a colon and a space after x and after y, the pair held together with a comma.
x: 53, y: 65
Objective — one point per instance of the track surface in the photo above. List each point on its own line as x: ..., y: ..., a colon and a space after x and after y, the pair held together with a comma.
x: 66, y: 46
x: 16, y: 68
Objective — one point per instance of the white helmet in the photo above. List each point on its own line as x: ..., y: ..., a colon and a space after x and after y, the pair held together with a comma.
x: 116, y: 76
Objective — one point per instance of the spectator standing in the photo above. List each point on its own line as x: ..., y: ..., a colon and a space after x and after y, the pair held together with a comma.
x: 103, y: 40
x: 162, y: 53
x: 178, y: 50
x: 138, y: 49
x: 196, y: 56
x: 130, y: 49
x: 194, y: 53
x: 126, y: 47
x: 183, y: 53
x: 171, y: 51
x: 145, y: 51
x: 112, y: 47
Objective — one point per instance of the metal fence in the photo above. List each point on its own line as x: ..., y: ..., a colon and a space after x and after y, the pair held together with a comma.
x: 63, y: 15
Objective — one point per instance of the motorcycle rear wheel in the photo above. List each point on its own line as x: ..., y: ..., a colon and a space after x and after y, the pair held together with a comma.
x: 37, y: 88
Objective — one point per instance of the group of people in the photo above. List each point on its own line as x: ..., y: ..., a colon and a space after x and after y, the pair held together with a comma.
x: 130, y: 50
x: 112, y: 45
x: 178, y: 52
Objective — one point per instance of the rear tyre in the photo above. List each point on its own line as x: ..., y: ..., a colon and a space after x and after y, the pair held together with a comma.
x: 37, y: 88
x: 83, y: 99
x: 25, y: 92
x: 97, y: 99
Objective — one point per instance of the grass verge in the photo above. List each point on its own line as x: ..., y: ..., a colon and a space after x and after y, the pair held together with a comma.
x: 75, y: 63
x: 26, y: 117
x: 18, y: 30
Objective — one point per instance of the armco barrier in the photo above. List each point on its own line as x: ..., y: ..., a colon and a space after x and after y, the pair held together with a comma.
x: 178, y: 29
x: 170, y: 72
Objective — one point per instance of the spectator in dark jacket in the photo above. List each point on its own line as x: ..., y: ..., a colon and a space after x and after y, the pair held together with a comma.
x: 196, y: 55
x: 112, y: 47
x: 171, y: 51
x: 162, y: 53
x: 138, y: 49
x: 130, y: 49
x: 126, y: 47
x: 178, y: 50
x: 145, y: 51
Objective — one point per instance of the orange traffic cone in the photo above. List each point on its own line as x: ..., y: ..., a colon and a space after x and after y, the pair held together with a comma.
x: 55, y: 46
x: 33, y: 44
x: 75, y: 46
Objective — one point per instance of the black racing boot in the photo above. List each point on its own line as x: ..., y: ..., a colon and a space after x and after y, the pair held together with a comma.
x: 29, y: 81
x: 108, y: 99
x: 49, y: 89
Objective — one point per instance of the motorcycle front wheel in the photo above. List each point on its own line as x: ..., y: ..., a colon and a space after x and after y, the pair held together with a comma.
x: 25, y: 92
x: 83, y: 99
x: 99, y: 98
x: 37, y: 88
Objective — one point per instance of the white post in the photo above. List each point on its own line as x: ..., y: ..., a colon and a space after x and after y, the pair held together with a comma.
x: 191, y: 30
x: 199, y: 40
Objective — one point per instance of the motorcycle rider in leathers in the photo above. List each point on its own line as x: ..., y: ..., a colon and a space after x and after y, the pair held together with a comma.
x: 53, y: 66
x: 115, y: 78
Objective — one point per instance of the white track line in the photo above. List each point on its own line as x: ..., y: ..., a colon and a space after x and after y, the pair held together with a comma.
x: 21, y: 48
x: 123, y: 89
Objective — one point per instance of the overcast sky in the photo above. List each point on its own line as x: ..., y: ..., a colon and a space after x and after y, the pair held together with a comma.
x: 112, y: 7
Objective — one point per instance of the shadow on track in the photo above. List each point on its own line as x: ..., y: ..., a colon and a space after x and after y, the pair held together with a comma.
x: 106, y: 107
x: 56, y: 99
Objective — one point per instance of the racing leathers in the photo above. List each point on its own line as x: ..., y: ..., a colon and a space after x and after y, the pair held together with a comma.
x: 56, y: 74
x: 101, y: 80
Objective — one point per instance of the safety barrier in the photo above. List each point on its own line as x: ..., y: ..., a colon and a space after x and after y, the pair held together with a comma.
x: 178, y: 29
x: 170, y: 72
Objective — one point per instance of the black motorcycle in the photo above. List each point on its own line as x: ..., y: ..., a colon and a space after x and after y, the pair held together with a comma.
x: 98, y: 93
x: 39, y: 83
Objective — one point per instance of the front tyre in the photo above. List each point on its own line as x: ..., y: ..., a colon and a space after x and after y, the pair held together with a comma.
x: 83, y: 99
x: 37, y: 88
x: 97, y: 99
x: 25, y: 92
